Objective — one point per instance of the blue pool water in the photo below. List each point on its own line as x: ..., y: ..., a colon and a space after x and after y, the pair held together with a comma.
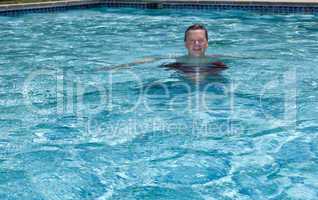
x: 72, y: 131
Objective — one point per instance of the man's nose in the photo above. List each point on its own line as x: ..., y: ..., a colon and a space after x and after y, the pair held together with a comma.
x: 197, y: 43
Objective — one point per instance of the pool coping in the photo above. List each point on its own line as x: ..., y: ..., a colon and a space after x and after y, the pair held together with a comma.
x: 49, y: 4
x: 292, y: 6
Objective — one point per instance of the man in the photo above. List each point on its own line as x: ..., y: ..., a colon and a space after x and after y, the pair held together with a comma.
x: 196, y: 42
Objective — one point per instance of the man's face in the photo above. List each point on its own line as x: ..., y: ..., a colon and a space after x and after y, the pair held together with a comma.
x: 196, y: 43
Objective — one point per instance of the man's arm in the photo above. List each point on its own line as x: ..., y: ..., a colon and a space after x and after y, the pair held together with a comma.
x: 231, y: 56
x: 144, y: 60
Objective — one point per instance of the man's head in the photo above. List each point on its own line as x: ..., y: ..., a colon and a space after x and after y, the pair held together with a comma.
x: 196, y: 40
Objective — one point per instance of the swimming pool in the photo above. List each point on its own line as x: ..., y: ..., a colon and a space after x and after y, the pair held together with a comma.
x: 72, y: 131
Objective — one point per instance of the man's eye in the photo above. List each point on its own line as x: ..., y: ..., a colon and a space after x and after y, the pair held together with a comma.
x: 199, y: 41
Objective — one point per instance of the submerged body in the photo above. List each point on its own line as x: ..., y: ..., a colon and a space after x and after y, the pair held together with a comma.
x: 197, y: 68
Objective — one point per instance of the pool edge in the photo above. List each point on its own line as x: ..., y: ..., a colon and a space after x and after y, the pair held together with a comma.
x: 306, y: 7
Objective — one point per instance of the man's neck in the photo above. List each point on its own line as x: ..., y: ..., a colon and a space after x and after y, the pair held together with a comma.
x: 194, y: 59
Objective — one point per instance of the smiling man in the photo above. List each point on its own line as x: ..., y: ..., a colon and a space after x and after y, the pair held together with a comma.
x: 196, y: 62
x: 196, y: 40
x: 196, y: 43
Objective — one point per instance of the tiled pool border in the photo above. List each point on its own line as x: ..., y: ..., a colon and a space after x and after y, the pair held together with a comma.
x: 17, y: 9
x: 256, y: 6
